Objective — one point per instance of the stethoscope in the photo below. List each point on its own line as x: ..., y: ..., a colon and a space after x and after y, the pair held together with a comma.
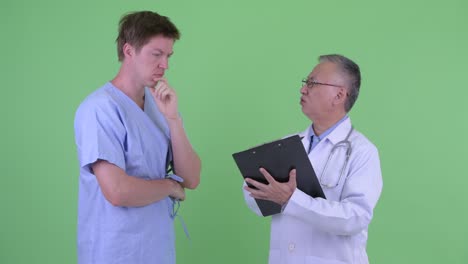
x: 344, y: 144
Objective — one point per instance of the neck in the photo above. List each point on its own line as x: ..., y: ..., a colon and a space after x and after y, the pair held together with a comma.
x: 321, y: 125
x: 129, y: 86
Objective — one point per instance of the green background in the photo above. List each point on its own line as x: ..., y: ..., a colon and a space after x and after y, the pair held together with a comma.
x: 237, y: 71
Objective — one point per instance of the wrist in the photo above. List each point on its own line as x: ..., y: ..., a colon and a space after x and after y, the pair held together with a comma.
x: 172, y: 186
x: 174, y: 122
x: 173, y: 117
x: 287, y: 198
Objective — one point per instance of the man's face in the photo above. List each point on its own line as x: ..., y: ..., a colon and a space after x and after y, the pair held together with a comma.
x: 152, y: 60
x: 320, y: 99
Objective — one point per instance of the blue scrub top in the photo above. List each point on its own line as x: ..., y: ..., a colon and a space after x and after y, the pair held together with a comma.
x: 110, y: 126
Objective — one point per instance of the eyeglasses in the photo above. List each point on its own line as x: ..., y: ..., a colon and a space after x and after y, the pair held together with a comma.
x: 310, y: 83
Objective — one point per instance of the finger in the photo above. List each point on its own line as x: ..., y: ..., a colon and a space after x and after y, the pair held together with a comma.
x: 179, y: 197
x: 165, y: 93
x: 156, y: 89
x: 254, y: 183
x: 250, y: 190
x: 161, y: 79
x: 258, y: 197
x: 292, y: 179
x: 159, y: 89
x: 267, y: 176
x: 292, y: 175
x: 182, y: 194
x: 257, y: 194
x: 257, y: 184
x: 159, y: 84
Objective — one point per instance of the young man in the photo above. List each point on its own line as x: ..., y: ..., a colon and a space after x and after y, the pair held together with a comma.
x: 331, y: 230
x: 127, y: 133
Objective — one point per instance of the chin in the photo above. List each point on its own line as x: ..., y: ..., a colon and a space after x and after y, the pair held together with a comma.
x: 305, y: 113
x: 150, y: 84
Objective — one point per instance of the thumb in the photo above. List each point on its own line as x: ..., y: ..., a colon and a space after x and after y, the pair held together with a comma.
x: 292, y: 175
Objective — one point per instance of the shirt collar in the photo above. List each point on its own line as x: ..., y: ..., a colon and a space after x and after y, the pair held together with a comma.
x: 328, y: 131
x: 335, y: 136
x: 340, y: 132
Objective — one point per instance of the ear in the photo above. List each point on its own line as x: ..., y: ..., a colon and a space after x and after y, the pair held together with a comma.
x: 128, y: 50
x: 340, y: 96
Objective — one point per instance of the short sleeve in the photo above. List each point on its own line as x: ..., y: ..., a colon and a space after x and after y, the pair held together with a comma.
x: 99, y: 133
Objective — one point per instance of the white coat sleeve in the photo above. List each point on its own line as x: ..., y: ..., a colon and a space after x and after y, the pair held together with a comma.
x: 251, y: 203
x: 353, y: 212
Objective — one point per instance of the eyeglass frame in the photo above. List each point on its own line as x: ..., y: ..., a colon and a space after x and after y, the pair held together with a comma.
x: 311, y: 82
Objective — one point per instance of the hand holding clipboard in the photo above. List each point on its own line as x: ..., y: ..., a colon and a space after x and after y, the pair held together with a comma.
x: 278, y: 158
x: 278, y: 192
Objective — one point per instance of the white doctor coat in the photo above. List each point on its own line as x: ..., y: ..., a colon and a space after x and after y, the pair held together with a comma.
x: 331, y: 230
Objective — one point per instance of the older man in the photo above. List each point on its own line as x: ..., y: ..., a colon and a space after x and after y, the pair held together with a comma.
x: 331, y: 230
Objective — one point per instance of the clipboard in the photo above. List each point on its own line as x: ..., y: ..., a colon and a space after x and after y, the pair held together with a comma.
x: 279, y: 157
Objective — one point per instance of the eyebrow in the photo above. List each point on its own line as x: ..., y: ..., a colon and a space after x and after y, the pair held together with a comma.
x: 160, y: 50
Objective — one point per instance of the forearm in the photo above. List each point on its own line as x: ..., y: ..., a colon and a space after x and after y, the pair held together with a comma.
x: 346, y: 217
x: 187, y: 164
x: 120, y: 189
x: 136, y: 192
x: 351, y: 211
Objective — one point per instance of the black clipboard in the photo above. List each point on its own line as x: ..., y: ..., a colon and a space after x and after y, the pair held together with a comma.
x: 279, y: 158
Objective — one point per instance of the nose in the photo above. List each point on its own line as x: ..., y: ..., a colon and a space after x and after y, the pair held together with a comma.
x: 304, y: 89
x: 164, y: 63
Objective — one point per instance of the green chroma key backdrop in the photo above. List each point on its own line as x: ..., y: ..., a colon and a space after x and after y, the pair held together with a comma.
x: 237, y: 71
